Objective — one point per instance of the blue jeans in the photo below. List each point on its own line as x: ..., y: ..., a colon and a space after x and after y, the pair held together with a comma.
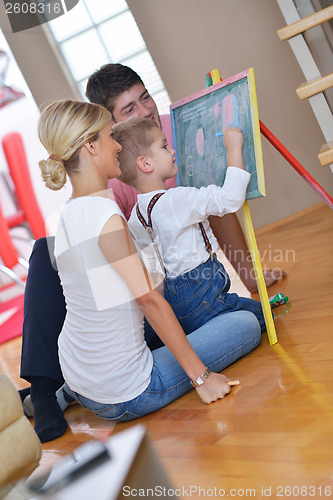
x: 202, y: 293
x: 218, y: 343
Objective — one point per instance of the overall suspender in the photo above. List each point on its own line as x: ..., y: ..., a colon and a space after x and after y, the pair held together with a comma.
x: 149, y: 227
x: 208, y: 246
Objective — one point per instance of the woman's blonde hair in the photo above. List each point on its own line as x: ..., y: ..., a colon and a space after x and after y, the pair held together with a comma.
x: 63, y: 128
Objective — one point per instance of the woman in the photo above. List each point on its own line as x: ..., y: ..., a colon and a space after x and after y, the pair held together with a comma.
x: 104, y: 357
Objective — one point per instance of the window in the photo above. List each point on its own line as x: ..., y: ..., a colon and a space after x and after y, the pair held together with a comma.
x: 97, y: 33
x: 10, y: 73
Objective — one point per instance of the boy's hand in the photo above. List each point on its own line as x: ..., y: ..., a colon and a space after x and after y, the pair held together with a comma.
x: 215, y: 387
x: 233, y: 140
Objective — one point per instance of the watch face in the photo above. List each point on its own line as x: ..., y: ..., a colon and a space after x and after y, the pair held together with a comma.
x: 200, y: 380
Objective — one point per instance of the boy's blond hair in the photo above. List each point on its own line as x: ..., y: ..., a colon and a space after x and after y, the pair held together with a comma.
x: 135, y: 138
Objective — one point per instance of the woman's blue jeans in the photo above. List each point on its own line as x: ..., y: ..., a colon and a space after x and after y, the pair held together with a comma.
x: 218, y: 343
x: 203, y: 293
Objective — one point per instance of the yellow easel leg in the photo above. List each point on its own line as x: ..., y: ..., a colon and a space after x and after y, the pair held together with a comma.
x: 251, y: 240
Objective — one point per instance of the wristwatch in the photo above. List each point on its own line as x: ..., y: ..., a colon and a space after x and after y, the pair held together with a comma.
x: 200, y: 380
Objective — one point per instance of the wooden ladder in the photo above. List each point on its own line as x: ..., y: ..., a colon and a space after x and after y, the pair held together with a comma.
x: 316, y: 84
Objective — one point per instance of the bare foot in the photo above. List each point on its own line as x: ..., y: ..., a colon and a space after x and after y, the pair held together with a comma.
x: 271, y: 277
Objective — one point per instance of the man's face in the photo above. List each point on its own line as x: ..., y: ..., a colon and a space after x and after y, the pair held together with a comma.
x: 135, y: 102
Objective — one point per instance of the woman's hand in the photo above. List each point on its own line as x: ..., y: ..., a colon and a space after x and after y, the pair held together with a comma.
x: 215, y: 387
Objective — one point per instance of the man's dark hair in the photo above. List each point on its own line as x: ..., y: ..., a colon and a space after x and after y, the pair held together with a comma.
x: 107, y: 83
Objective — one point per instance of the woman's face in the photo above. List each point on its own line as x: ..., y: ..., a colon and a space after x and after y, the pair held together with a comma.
x: 108, y: 149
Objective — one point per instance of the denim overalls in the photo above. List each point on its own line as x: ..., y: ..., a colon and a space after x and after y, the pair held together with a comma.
x: 202, y: 293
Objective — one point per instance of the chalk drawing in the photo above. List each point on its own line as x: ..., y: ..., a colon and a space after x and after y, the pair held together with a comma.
x: 200, y: 140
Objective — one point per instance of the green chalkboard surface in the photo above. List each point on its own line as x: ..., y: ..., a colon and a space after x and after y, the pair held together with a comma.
x: 197, y: 122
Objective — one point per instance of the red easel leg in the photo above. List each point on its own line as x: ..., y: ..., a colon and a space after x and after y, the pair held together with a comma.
x: 296, y: 164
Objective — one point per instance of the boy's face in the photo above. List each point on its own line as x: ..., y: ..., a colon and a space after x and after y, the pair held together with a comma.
x: 161, y: 156
x: 135, y: 102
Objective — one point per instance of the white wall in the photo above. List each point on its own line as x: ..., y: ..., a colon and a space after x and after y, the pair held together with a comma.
x: 188, y: 38
x: 22, y: 116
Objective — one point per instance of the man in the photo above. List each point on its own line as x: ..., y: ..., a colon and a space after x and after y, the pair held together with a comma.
x: 122, y: 91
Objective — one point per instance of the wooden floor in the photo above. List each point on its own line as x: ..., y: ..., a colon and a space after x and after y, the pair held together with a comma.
x: 276, y: 429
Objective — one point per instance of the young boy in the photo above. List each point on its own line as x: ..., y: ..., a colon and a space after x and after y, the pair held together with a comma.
x: 176, y: 221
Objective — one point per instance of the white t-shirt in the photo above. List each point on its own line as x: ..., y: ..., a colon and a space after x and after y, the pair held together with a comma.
x: 175, y: 219
x: 102, y: 351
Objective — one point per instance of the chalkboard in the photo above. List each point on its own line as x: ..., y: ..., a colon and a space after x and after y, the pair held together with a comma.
x: 198, y: 120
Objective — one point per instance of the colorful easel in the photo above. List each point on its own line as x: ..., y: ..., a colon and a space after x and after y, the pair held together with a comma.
x: 212, y: 78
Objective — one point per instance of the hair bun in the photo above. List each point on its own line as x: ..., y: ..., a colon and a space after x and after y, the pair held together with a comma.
x: 53, y: 173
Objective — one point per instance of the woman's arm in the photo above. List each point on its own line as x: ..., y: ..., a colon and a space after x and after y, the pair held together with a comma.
x: 117, y: 245
x: 163, y: 320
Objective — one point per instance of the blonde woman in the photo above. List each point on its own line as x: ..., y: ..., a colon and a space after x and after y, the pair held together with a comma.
x: 106, y: 362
